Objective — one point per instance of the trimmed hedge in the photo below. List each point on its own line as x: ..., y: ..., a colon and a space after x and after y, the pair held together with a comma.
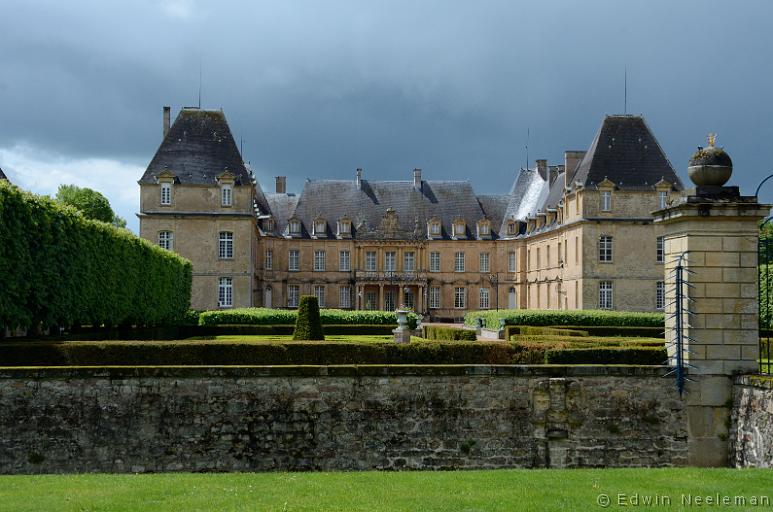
x: 437, y: 332
x: 511, y: 330
x: 58, y: 268
x: 619, y: 330
x: 608, y: 355
x: 586, y: 340
x: 308, y: 325
x: 269, y: 316
x: 580, y: 317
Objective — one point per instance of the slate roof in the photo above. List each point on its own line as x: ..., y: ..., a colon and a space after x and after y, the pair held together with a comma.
x: 625, y: 151
x: 2, y: 175
x: 367, y: 206
x: 198, y: 147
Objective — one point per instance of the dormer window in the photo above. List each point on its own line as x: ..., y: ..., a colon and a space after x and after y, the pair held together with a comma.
x: 226, y: 195
x: 459, y: 228
x: 606, y: 200
x: 434, y: 228
x: 166, y: 193
x: 344, y: 227
x: 512, y: 228
x: 662, y: 198
x: 295, y: 227
x: 320, y: 227
x: 268, y: 225
x: 484, y: 228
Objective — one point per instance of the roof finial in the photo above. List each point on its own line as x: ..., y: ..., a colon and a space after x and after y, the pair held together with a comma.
x: 712, y: 138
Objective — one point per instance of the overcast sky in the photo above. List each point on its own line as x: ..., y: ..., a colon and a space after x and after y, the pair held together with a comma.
x: 316, y: 89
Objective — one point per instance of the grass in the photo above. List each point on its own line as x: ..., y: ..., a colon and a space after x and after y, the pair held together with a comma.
x: 500, y: 490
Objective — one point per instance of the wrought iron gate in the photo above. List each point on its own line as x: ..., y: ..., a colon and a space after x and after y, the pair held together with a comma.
x: 765, y: 294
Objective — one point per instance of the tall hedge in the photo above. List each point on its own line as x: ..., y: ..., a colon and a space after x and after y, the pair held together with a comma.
x: 578, y: 317
x: 269, y: 316
x: 58, y: 268
x: 308, y: 325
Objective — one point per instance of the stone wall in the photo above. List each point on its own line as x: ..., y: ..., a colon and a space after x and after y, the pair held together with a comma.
x: 337, y: 418
x: 751, y: 434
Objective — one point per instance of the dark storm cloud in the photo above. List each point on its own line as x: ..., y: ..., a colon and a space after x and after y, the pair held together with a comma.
x: 317, y: 89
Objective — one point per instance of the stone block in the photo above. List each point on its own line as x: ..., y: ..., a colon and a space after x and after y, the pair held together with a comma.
x: 706, y: 336
x: 725, y: 321
x: 724, y: 352
x: 708, y: 305
x: 739, y: 275
x: 742, y: 306
x: 709, y: 243
x: 705, y: 275
x: 722, y: 259
x: 749, y: 291
x: 740, y: 337
x: 707, y: 452
x: 750, y: 352
x: 748, y: 259
x: 741, y: 243
x: 740, y: 366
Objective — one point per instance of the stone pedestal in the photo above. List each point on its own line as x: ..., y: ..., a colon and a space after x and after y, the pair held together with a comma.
x: 718, y: 231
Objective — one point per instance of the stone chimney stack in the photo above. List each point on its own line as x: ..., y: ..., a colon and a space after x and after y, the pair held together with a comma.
x: 553, y: 171
x: 571, y: 161
x: 359, y: 179
x: 167, y: 116
x: 417, y: 179
x: 281, y: 184
x: 542, y: 168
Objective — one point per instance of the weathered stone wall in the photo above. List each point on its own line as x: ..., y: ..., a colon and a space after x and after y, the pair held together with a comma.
x: 326, y: 418
x: 751, y: 441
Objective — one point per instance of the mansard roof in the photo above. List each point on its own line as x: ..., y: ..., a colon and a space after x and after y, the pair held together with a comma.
x: 626, y: 152
x: 369, y: 205
x: 198, y: 148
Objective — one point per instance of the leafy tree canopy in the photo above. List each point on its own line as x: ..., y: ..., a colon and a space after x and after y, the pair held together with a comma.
x: 90, y: 203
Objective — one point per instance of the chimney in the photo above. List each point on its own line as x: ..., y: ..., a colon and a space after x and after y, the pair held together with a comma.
x: 281, y: 184
x: 359, y: 179
x: 571, y: 161
x: 167, y: 114
x: 542, y: 168
x: 417, y: 179
x: 553, y: 172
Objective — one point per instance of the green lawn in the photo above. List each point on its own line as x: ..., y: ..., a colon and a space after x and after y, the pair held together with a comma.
x: 504, y: 490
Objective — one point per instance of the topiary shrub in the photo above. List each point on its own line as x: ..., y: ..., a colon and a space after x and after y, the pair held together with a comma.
x: 436, y: 332
x: 308, y: 325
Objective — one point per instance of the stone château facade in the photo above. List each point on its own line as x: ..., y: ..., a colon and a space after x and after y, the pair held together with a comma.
x: 569, y: 236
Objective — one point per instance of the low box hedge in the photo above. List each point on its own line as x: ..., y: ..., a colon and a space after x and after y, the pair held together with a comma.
x: 512, y: 330
x: 582, y: 318
x: 438, y: 332
x: 268, y: 316
x: 619, y: 330
x: 607, y: 355
x: 587, y: 340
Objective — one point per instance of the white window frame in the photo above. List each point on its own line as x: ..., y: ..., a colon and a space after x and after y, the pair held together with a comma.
x: 434, y: 297
x: 483, y: 229
x: 269, y: 259
x: 225, y: 292
x: 606, y: 200
x: 606, y: 295
x: 166, y: 240
x: 295, y: 227
x: 460, y: 229
x: 662, y: 198
x: 485, y: 298
x: 434, y: 261
x: 225, y: 249
x: 485, y: 262
x: 345, y: 297
x: 605, y: 249
x: 320, y: 227
x: 660, y: 295
x: 511, y: 262
x: 293, y: 295
x: 344, y: 261
x: 344, y: 227
x: 294, y: 260
x: 390, y: 261
x: 166, y: 193
x: 226, y: 195
x: 460, y: 297
x: 319, y: 293
x: 660, y: 251
x: 320, y: 260
x: 371, y: 261
x: 434, y: 228
x: 409, y: 261
x: 459, y: 261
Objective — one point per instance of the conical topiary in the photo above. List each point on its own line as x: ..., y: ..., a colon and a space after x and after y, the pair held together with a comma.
x: 308, y: 325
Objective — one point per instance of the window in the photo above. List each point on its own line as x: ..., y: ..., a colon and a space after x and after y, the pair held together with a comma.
x: 226, y: 195
x: 268, y: 225
x: 459, y: 229
x: 319, y: 293
x: 345, y: 297
x: 576, y: 249
x: 660, y: 253
x: 547, y: 255
x: 434, y: 297
x: 560, y: 259
x: 605, y: 295
x: 605, y: 248
x: 226, y: 246
x: 662, y: 198
x: 459, y: 262
x: 269, y: 259
x: 511, y: 261
x: 344, y: 227
x: 319, y: 261
x: 390, y: 261
x: 434, y: 228
x: 511, y: 228
x: 660, y: 295
x: 225, y: 292
x: 344, y: 261
x: 370, y: 261
x: 483, y: 229
x: 389, y: 300
x: 409, y: 261
x: 460, y: 296
x: 295, y: 227
x: 539, y: 258
x: 606, y: 201
x: 294, y: 260
x: 320, y: 227
x: 293, y: 293
x: 484, y: 262
x: 370, y: 301
x: 166, y: 240
x: 166, y: 193
x: 484, y: 298
x: 434, y: 262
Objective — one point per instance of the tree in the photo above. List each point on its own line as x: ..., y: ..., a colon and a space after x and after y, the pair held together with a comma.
x: 90, y: 203
x: 308, y: 325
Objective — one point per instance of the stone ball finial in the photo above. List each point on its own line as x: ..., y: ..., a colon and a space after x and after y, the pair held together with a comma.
x: 710, y: 166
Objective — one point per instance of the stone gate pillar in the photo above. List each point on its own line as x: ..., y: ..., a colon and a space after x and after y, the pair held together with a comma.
x: 718, y: 229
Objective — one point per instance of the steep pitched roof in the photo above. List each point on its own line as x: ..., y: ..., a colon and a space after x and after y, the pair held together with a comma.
x: 2, y: 176
x: 626, y: 152
x: 528, y: 194
x: 198, y: 147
